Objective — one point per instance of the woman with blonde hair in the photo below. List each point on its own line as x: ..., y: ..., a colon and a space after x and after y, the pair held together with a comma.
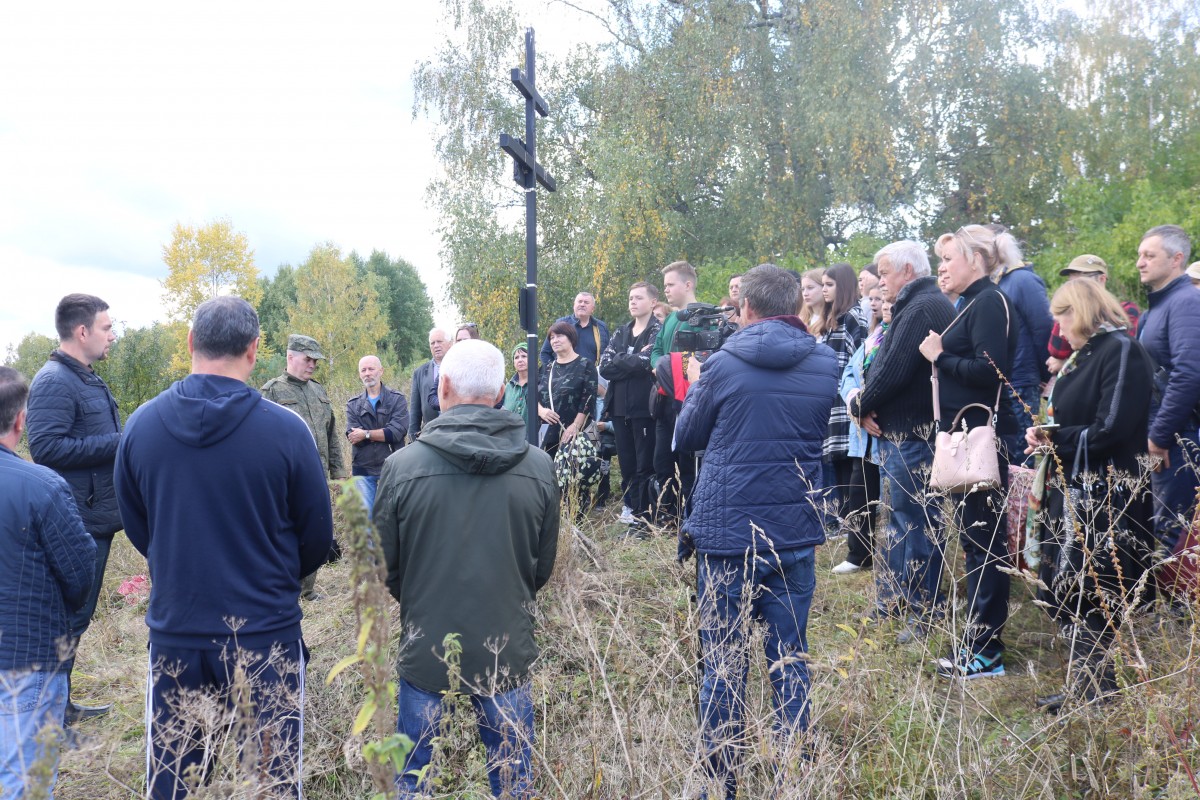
x: 969, y: 357
x: 1099, y: 413
x: 812, y: 304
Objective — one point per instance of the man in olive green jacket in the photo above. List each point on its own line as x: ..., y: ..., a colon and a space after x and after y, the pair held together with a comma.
x: 468, y: 516
x: 297, y: 391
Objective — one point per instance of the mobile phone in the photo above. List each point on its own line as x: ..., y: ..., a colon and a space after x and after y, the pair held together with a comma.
x: 1047, y: 426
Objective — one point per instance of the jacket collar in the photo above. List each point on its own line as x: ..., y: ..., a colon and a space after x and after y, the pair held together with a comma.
x: 1158, y: 295
x: 74, y: 364
x: 919, y: 286
x: 978, y: 286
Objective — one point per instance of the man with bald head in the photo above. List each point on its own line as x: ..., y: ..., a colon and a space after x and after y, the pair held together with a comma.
x: 376, y: 424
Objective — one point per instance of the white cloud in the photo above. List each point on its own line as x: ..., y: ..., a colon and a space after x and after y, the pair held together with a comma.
x: 294, y: 120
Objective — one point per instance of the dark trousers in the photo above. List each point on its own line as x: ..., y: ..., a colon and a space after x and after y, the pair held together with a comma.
x: 676, y: 471
x: 81, y: 620
x: 198, y: 698
x: 1174, y: 490
x: 862, y: 503
x: 983, y: 533
x: 635, y: 453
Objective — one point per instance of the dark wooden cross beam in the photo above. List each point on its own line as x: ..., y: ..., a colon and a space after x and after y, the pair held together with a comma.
x: 527, y: 172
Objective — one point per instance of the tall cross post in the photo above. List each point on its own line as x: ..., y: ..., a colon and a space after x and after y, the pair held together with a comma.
x: 527, y: 172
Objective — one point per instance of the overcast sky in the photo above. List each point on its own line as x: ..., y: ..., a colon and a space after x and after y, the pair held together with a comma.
x: 293, y: 120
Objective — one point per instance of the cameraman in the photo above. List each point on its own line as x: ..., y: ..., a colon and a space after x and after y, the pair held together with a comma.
x: 760, y: 412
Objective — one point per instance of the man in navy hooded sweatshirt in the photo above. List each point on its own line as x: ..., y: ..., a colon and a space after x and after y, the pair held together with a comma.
x: 223, y: 492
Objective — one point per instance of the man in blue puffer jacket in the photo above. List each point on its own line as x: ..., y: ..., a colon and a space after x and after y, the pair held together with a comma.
x: 759, y: 410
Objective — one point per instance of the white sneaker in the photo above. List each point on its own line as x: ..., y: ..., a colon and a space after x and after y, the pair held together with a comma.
x: 626, y: 517
x: 846, y: 568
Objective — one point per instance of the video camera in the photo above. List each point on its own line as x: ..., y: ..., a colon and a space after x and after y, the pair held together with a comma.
x: 712, y: 328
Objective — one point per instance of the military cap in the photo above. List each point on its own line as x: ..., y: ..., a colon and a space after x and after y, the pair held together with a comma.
x: 307, y: 345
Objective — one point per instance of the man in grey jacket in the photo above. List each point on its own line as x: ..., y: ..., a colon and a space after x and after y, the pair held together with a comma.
x: 468, y: 516
x: 421, y: 411
x: 74, y: 429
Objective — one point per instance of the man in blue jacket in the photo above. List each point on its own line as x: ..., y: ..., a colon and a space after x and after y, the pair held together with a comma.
x: 74, y: 428
x: 759, y: 410
x: 224, y: 494
x: 1170, y: 332
x: 49, y: 560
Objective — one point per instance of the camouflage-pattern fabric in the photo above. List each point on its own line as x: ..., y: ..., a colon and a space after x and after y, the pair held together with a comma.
x: 309, y: 400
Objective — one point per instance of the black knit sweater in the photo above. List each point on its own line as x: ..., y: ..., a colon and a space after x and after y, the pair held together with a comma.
x: 898, y: 389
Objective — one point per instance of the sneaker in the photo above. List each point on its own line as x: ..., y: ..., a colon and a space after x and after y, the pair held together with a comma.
x: 626, y: 517
x: 969, y: 667
x: 846, y: 568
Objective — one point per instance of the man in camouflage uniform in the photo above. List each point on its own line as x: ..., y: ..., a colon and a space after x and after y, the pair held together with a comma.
x: 296, y: 390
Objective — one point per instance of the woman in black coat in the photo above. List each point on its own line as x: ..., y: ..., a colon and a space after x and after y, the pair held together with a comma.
x: 970, y: 355
x: 1091, y: 559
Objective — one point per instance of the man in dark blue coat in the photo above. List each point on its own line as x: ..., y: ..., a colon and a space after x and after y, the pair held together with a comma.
x: 759, y: 410
x: 224, y: 494
x: 74, y: 428
x: 1170, y: 332
x: 49, y: 560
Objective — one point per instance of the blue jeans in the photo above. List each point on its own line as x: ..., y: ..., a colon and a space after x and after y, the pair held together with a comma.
x: 505, y: 726
x: 367, y: 484
x: 776, y: 589
x: 913, y: 550
x: 29, y: 701
x: 1012, y: 412
x: 1174, y: 490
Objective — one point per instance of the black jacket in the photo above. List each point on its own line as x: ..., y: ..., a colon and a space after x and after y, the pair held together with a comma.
x: 74, y: 429
x: 390, y: 415
x: 977, y: 349
x: 898, y: 383
x: 627, y: 368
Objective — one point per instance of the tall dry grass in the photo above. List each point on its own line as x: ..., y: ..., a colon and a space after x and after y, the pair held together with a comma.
x: 615, y: 693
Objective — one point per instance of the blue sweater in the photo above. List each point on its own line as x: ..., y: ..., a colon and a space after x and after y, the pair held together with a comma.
x: 760, y: 413
x: 223, y: 492
x: 49, y: 561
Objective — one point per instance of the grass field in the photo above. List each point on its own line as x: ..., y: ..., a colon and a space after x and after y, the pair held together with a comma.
x: 615, y: 695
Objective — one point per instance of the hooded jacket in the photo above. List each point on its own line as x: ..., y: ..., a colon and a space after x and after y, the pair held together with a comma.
x: 224, y: 494
x: 468, y: 516
x: 74, y: 428
x: 760, y: 413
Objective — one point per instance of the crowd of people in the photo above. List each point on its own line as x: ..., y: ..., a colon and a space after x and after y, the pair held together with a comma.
x: 827, y: 401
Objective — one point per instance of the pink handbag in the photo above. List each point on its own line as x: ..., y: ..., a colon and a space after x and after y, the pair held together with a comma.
x: 965, y: 460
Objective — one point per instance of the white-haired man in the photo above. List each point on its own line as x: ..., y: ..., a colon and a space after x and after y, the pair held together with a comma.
x: 468, y: 517
x: 896, y: 406
x: 425, y: 377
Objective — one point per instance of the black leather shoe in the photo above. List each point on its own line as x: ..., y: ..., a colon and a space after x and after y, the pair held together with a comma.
x: 1052, y: 703
x: 76, y: 712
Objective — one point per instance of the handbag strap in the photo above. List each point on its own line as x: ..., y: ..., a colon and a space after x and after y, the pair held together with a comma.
x: 933, y: 378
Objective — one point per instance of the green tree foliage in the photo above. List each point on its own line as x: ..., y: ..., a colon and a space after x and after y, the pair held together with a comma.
x: 278, y: 298
x: 405, y: 302
x: 339, y: 309
x: 29, y: 354
x: 141, y: 364
x: 731, y: 132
